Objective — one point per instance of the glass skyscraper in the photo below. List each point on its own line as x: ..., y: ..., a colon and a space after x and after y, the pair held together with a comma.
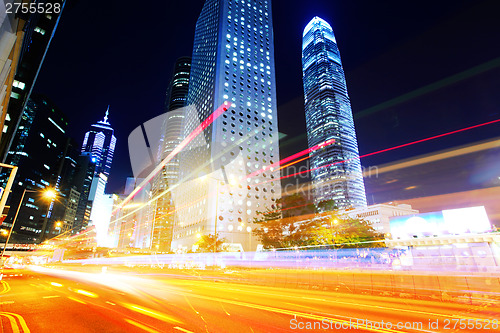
x: 336, y: 169
x: 233, y: 62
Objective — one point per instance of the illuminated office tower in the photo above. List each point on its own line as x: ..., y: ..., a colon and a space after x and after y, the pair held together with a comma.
x: 101, y: 141
x: 171, y: 137
x: 179, y: 85
x: 329, y: 116
x: 232, y: 61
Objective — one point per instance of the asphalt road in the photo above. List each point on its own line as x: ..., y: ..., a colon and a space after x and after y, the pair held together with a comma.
x: 64, y: 301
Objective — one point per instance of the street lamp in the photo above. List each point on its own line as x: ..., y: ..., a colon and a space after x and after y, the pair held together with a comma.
x: 48, y: 193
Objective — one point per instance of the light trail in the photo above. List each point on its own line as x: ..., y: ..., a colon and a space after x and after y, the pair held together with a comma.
x: 220, y: 110
x: 292, y: 157
x: 393, y: 148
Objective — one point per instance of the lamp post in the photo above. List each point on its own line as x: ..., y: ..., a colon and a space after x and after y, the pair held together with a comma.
x: 48, y: 193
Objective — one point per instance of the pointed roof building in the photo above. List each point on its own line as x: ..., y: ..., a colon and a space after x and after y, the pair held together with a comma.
x: 101, y: 141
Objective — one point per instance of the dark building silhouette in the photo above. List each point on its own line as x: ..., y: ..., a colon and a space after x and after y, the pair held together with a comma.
x: 179, y: 85
x: 86, y: 165
x: 38, y: 149
x: 38, y: 33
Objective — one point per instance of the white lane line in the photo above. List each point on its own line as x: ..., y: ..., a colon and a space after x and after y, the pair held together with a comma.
x: 53, y: 296
x: 182, y: 329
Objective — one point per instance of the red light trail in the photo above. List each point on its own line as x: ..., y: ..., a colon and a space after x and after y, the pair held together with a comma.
x: 220, y: 110
x: 392, y: 148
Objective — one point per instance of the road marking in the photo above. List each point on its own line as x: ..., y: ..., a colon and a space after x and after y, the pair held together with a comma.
x: 86, y: 293
x: 298, y: 314
x: 6, y: 287
x: 151, y: 313
x: 7, y: 302
x: 55, y: 284
x: 76, y: 300
x: 350, y: 303
x: 13, y: 323
x: 111, y: 303
x: 141, y: 326
x: 182, y: 329
x: 53, y: 296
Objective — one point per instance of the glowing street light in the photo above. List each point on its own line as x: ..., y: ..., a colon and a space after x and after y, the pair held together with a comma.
x: 48, y: 193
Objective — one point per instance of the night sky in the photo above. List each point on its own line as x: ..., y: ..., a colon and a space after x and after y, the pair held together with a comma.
x: 122, y: 53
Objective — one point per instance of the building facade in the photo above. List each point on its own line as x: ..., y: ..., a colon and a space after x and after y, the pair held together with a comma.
x: 164, y: 215
x: 38, y: 150
x: 336, y: 169
x: 233, y: 63
x: 379, y: 215
x: 171, y: 137
x: 36, y: 35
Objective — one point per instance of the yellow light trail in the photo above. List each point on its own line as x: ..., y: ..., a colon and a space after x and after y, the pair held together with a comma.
x: 150, y: 313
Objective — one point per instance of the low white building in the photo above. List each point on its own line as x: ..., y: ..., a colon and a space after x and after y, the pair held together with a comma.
x: 379, y: 215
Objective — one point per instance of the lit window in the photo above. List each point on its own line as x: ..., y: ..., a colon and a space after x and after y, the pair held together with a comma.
x: 40, y: 30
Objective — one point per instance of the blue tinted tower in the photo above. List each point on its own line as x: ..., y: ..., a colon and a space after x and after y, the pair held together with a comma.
x: 101, y: 142
x: 336, y: 168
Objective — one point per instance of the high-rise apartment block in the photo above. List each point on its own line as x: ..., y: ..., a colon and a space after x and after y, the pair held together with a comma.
x: 336, y: 169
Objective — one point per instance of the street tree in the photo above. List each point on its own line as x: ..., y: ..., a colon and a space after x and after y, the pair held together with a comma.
x: 206, y: 243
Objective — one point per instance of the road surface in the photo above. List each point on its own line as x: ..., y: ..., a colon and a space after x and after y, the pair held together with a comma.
x: 55, y: 300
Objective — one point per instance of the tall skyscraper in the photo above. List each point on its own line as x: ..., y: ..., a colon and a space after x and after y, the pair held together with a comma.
x: 179, y: 85
x: 232, y: 61
x: 164, y: 210
x: 101, y: 141
x: 329, y: 116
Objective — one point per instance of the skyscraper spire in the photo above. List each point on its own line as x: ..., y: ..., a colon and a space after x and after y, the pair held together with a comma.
x: 105, y: 121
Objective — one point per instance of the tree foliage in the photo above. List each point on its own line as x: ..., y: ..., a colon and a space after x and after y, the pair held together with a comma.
x: 301, y: 223
x: 206, y: 243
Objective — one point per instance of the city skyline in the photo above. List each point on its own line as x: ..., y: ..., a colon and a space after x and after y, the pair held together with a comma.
x: 265, y: 184
x: 385, y: 50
